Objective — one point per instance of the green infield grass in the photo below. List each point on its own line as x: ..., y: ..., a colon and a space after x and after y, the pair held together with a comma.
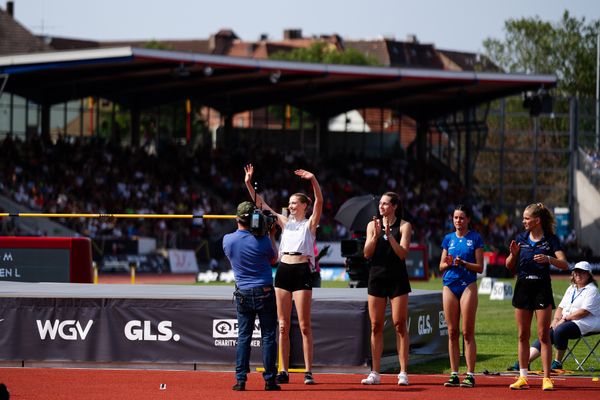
x: 496, y: 334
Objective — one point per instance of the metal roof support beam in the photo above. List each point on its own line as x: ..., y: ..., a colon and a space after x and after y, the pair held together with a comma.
x: 229, y: 140
x: 536, y: 157
x: 458, y: 144
x: 322, y: 129
x: 501, y: 167
x: 45, y: 122
x: 468, y: 150
x: 115, y: 133
x: 422, y: 129
x: 135, y: 125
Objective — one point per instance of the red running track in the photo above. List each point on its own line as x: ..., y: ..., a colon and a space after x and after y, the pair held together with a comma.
x: 91, y: 384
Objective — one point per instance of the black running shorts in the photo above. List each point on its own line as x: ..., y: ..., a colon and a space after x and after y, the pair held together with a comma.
x: 385, y: 283
x: 533, y: 294
x: 292, y: 277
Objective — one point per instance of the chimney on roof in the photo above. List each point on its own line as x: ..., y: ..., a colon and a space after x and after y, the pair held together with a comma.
x: 292, y: 34
x: 412, y: 38
x: 220, y: 42
x: 10, y: 8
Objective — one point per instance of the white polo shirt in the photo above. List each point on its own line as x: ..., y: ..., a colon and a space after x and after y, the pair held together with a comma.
x: 587, y: 298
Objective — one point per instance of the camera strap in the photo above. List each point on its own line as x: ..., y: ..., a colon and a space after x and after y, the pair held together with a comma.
x: 238, y: 294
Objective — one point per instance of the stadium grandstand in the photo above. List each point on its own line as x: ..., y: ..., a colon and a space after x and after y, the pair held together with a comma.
x: 422, y: 123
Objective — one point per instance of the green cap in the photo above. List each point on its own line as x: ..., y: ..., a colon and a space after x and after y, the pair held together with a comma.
x: 245, y: 209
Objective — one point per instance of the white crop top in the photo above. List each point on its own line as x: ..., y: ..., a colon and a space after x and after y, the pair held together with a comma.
x: 297, y: 238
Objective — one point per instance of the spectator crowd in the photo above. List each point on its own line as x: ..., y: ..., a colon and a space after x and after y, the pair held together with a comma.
x: 77, y: 175
x: 590, y: 161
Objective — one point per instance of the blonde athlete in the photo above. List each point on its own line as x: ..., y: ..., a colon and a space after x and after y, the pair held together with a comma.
x: 531, y: 255
x: 296, y: 265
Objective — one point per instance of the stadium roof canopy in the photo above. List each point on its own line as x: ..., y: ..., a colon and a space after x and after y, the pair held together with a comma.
x: 146, y: 77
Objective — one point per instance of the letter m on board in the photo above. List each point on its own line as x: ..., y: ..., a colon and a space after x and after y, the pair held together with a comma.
x: 7, y: 257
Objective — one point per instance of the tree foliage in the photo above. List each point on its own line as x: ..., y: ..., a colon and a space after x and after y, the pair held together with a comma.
x: 566, y: 49
x: 156, y: 45
x: 322, y: 52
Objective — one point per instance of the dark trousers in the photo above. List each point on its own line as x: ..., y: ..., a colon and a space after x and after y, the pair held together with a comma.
x: 251, y: 303
x: 560, y: 337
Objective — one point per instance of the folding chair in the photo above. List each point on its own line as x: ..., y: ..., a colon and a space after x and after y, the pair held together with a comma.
x: 592, y: 350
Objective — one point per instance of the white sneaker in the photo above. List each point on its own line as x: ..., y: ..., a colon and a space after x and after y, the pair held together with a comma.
x: 402, y: 379
x: 373, y: 379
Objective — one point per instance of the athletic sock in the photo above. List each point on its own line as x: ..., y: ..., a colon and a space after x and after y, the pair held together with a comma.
x: 454, y: 373
x: 523, y: 372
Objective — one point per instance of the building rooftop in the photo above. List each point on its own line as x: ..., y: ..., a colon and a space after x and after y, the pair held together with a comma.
x: 388, y: 52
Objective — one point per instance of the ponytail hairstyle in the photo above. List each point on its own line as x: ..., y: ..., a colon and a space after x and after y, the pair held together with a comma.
x: 395, y: 200
x: 540, y: 211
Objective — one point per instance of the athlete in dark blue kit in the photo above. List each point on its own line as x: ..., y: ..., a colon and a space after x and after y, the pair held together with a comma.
x: 531, y: 255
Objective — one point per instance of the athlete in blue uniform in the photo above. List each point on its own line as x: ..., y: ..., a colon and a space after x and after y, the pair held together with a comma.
x: 462, y: 259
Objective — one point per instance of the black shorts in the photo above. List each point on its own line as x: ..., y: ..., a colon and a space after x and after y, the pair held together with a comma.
x: 383, y: 283
x: 292, y: 277
x: 533, y: 294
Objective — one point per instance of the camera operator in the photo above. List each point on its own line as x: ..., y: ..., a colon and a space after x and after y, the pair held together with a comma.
x: 251, y: 256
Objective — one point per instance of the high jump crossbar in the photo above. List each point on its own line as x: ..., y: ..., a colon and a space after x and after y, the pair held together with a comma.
x: 156, y: 216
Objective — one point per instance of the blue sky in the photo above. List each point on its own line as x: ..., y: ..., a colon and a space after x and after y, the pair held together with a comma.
x: 448, y: 24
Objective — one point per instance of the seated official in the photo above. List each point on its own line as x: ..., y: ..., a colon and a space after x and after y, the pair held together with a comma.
x: 577, y: 314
